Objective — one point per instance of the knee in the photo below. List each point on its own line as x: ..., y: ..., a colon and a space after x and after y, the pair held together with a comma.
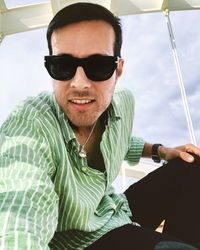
x: 178, y: 161
x: 173, y: 245
x: 184, y: 173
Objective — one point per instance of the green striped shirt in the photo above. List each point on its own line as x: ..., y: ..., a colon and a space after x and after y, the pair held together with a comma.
x: 49, y: 197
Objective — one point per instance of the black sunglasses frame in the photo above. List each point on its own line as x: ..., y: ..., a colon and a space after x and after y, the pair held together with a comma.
x: 96, y: 67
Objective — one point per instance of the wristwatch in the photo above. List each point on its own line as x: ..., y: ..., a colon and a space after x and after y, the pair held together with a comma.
x: 155, y: 155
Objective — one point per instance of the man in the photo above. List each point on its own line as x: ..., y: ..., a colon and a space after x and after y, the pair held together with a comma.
x: 60, y: 154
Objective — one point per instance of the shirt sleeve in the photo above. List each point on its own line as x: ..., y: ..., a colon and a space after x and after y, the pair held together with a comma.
x: 28, y: 201
x: 135, y: 150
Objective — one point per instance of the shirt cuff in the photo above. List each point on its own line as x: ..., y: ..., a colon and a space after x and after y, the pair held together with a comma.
x: 135, y: 150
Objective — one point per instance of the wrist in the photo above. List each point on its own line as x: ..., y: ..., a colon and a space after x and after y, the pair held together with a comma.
x: 157, y: 152
x: 162, y: 152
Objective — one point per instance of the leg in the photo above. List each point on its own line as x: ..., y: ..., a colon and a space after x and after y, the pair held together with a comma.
x: 131, y: 237
x: 183, y: 220
x: 170, y: 193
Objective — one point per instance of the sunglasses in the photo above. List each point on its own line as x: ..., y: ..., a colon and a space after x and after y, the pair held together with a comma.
x: 96, y: 67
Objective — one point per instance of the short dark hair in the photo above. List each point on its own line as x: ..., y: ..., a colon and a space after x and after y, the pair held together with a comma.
x: 78, y: 12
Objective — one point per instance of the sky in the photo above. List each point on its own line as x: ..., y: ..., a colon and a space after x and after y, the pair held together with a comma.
x: 149, y: 72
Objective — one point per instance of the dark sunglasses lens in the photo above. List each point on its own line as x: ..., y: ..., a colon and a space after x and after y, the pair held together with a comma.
x: 60, y: 68
x: 96, y: 67
x: 100, y: 68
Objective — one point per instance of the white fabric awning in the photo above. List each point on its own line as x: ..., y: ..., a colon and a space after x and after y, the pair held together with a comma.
x: 35, y: 16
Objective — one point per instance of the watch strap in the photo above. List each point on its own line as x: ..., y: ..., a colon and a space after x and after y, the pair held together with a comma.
x: 155, y: 155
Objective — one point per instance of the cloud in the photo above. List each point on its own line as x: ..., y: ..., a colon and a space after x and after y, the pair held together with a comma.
x: 23, y: 73
x: 149, y: 72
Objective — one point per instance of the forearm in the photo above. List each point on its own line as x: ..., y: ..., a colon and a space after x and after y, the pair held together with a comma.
x: 28, y: 201
x: 28, y: 210
x: 147, y: 151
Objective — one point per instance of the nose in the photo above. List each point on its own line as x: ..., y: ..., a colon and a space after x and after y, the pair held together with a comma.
x: 80, y: 80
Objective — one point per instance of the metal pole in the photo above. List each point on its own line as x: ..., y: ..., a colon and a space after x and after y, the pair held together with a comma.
x: 180, y: 80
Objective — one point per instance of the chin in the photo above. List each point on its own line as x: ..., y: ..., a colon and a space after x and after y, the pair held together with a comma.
x: 83, y: 122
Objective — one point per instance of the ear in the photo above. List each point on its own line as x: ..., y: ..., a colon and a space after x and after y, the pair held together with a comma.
x: 119, y: 70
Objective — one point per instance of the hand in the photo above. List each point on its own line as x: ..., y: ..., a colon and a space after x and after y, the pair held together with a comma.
x: 180, y: 151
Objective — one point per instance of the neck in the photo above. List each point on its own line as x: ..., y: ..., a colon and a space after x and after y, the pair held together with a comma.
x: 84, y: 130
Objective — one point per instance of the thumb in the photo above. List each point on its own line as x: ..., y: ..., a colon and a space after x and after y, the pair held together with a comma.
x: 186, y: 157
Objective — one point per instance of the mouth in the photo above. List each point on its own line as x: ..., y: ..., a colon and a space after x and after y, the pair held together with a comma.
x: 81, y: 101
x: 81, y: 104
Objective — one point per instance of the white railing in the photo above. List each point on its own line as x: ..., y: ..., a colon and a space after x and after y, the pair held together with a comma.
x: 130, y: 174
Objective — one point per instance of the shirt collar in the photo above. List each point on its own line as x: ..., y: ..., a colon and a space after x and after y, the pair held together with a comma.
x: 67, y: 131
x: 114, y: 111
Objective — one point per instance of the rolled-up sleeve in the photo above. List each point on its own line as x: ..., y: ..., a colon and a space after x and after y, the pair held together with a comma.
x: 135, y: 150
x: 28, y: 201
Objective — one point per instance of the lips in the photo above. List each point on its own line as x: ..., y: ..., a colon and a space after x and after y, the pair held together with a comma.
x: 81, y: 101
x: 81, y: 104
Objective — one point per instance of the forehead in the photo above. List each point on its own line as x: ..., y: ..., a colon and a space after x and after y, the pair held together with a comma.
x: 84, y: 38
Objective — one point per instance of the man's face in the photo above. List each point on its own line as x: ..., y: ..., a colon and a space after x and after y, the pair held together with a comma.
x: 83, y: 100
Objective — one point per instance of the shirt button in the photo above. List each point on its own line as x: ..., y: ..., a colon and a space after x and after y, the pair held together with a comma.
x: 84, y: 169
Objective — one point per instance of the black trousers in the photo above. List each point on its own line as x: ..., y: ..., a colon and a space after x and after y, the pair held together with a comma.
x: 170, y: 193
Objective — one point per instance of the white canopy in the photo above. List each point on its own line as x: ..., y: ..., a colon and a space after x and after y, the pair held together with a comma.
x: 38, y: 15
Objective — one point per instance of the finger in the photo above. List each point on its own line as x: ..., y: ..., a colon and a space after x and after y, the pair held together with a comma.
x: 189, y: 148
x: 193, y: 149
x: 186, y: 157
